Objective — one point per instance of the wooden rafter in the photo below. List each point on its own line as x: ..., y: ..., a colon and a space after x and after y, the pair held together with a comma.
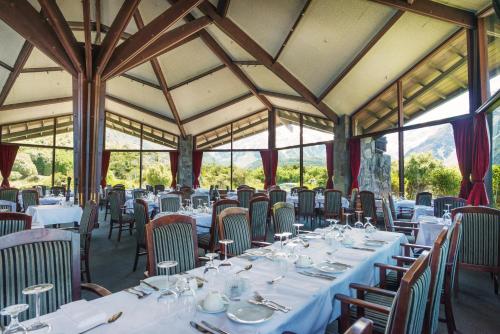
x: 436, y: 10
x: 141, y: 81
x: 139, y: 108
x: 283, y: 96
x: 161, y: 79
x: 42, y: 69
x: 151, y: 32
x: 88, y: 37
x: 361, y: 54
x: 63, y: 31
x: 97, y: 21
x: 261, y: 55
x: 16, y: 70
x: 223, y: 7
x: 115, y: 32
x: 197, y: 77
x: 22, y: 105
x: 6, y: 66
x: 26, y: 21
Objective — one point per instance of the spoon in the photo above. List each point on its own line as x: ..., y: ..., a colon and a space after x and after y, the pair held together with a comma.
x: 110, y: 320
x: 244, y: 269
x: 274, y: 280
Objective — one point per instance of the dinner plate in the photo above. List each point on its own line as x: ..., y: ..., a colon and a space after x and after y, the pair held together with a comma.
x: 161, y: 281
x: 246, y: 313
x: 374, y: 243
x: 258, y: 251
x: 333, y: 268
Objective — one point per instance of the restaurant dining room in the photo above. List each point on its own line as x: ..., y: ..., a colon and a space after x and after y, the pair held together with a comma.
x: 249, y: 166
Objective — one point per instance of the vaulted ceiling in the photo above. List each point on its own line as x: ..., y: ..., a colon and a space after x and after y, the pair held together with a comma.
x: 320, y: 57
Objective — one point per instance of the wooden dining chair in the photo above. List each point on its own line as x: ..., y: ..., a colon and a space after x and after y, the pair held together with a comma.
x: 259, y: 208
x: 409, y: 228
x: 11, y: 195
x: 170, y: 202
x: 198, y: 200
x: 118, y: 218
x: 244, y: 196
x: 284, y: 217
x: 294, y: 191
x: 159, y: 188
x: 424, y: 198
x: 397, y: 313
x: 12, y: 222
x: 361, y: 326
x: 141, y: 217
x: 440, y: 204
x: 138, y: 193
x: 210, y: 241
x: 306, y: 206
x: 42, y: 256
x: 57, y: 190
x: 87, y: 224
x: 172, y: 238
x: 403, y: 214
x: 480, y: 245
x: 367, y: 200
x: 30, y: 197
x: 333, y: 204
x: 122, y: 195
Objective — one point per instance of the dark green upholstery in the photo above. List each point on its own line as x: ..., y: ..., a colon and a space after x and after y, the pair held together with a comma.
x: 115, y: 205
x: 333, y: 203
x: 307, y: 202
x: 354, y: 197
x: 276, y: 196
x: 170, y: 203
x: 11, y: 222
x: 284, y: 217
x: 367, y: 199
x: 218, y: 209
x: 9, y: 194
x: 141, y: 219
x: 389, y: 222
x: 424, y: 198
x: 159, y: 188
x: 87, y: 222
x: 236, y: 228
x: 258, y: 218
x: 195, y: 200
x: 244, y: 196
x: 30, y: 197
x: 392, y: 207
x: 440, y: 204
x: 56, y: 190
x: 139, y: 193
x: 174, y: 242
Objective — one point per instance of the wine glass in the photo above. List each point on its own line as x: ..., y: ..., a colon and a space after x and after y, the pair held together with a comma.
x: 280, y: 237
x: 13, y: 311
x: 298, y: 226
x: 347, y: 217
x: 359, y: 214
x: 226, y: 262
x: 166, y: 265
x: 37, y: 290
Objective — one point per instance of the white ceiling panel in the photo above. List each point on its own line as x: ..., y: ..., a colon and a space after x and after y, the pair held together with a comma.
x: 207, y: 92
x: 294, y: 105
x: 150, y: 9
x: 409, y: 40
x: 228, y: 114
x: 472, y: 5
x: 144, y: 72
x: 267, y: 22
x: 187, y: 61
x: 232, y: 48
x: 4, y: 74
x: 138, y: 94
x: 40, y: 86
x: 70, y: 10
x: 36, y: 112
x: 139, y: 116
x: 264, y: 79
x: 38, y: 59
x: 329, y: 36
x: 11, y: 44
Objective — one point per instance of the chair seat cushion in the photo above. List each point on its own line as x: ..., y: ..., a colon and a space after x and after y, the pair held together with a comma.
x: 204, y: 240
x: 391, y: 281
x: 379, y: 319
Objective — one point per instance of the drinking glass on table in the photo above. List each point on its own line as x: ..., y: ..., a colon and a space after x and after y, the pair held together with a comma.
x: 347, y: 218
x: 225, y: 264
x: 166, y: 265
x: 297, y: 227
x: 37, y: 290
x: 13, y: 312
x: 211, y: 270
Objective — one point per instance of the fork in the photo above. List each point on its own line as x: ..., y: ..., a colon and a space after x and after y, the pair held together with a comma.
x: 260, y: 298
x: 134, y: 292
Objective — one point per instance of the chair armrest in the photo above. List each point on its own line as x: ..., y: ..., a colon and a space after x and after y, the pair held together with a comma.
x: 73, y: 228
x: 97, y: 289
x: 405, y: 223
x: 362, y: 303
x: 408, y: 229
x: 366, y: 288
x: 386, y: 267
x: 407, y: 247
x: 403, y: 259
x: 260, y: 243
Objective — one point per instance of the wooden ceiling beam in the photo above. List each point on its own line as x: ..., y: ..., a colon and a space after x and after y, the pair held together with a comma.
x: 247, y: 62
x: 98, y: 21
x: 61, y: 27
x: 41, y: 69
x: 38, y: 103
x: 16, y: 70
x: 283, y: 96
x: 88, y: 42
x: 151, y: 32
x: 223, y: 7
x: 26, y: 21
x: 118, y: 26
x: 197, y: 77
x: 161, y: 79
x: 165, y: 43
x: 436, y: 10
x: 139, y: 108
x: 141, y: 81
x: 6, y: 66
x: 361, y: 54
x: 261, y: 55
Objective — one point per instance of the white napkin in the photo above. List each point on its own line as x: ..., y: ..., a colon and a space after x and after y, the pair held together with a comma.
x: 84, y: 315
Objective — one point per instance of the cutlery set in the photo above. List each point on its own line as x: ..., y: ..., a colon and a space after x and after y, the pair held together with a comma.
x: 318, y: 275
x: 205, y: 327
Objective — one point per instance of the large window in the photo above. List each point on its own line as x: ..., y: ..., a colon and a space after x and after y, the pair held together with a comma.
x: 216, y: 170
x: 247, y: 169
x: 314, y: 164
x: 288, y: 173
x: 124, y: 168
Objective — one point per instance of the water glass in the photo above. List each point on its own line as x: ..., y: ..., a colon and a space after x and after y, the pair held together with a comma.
x: 37, y: 290
x: 13, y: 312
x: 167, y: 265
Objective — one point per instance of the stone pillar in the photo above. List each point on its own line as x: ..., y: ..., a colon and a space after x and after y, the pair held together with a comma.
x: 375, y: 171
x: 185, y: 170
x: 341, y: 167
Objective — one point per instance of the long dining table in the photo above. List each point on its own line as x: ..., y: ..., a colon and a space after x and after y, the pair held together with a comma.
x: 311, y: 299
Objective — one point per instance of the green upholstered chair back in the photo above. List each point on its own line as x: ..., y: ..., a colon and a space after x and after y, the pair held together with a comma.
x: 30, y: 197
x: 39, y: 256
x: 170, y: 203
x: 354, y: 198
x: 453, y: 249
x: 388, y: 219
x: 276, y: 196
x: 440, y: 204
x: 218, y: 207
x: 424, y: 198
x: 333, y: 203
x: 307, y: 202
x: 87, y: 223
x: 199, y: 200
x: 259, y: 208
x: 56, y: 190
x: 172, y: 238
x: 234, y: 225
x: 9, y: 194
x: 392, y: 207
x: 284, y: 217
x: 408, y: 308
x: 294, y: 191
x: 139, y: 193
x: 115, y: 205
x: 367, y: 199
x: 141, y: 218
x: 12, y: 222
x: 244, y: 196
x: 159, y: 188
x: 480, y: 245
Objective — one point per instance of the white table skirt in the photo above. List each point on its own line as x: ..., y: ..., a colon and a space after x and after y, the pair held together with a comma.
x: 43, y: 215
x: 421, y: 210
x: 310, y: 298
x: 11, y: 204
x: 430, y: 227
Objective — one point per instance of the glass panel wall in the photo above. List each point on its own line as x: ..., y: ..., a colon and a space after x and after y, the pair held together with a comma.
x: 124, y: 168
x: 216, y: 170
x: 156, y: 168
x: 314, y: 162
x: 288, y: 173
x: 247, y: 169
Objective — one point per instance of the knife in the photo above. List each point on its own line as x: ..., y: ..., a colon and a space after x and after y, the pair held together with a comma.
x: 150, y: 285
x: 328, y: 277
x: 200, y: 328
x: 216, y: 329
x: 363, y: 249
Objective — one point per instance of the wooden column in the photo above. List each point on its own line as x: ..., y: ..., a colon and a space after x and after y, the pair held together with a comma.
x: 401, y: 151
x: 477, y: 57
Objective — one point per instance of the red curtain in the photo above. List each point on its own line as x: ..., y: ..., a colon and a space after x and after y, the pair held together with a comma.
x: 355, y: 160
x: 480, y: 161
x: 463, y: 134
x: 174, y: 164
x: 106, y: 156
x: 7, y: 157
x: 329, y: 165
x: 270, y: 165
x: 197, y: 160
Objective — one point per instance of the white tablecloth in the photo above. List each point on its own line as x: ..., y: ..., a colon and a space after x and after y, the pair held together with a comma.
x: 43, y: 215
x: 422, y: 210
x: 429, y: 229
x: 310, y: 298
x: 203, y: 220
x: 12, y: 204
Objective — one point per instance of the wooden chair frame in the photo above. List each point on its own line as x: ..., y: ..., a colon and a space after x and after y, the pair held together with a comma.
x: 16, y: 198
x: 30, y: 191
x: 211, y: 245
x: 17, y: 216
x: 140, y: 246
x: 328, y: 215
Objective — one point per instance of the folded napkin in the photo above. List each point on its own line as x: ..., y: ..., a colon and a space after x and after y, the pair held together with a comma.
x: 84, y: 315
